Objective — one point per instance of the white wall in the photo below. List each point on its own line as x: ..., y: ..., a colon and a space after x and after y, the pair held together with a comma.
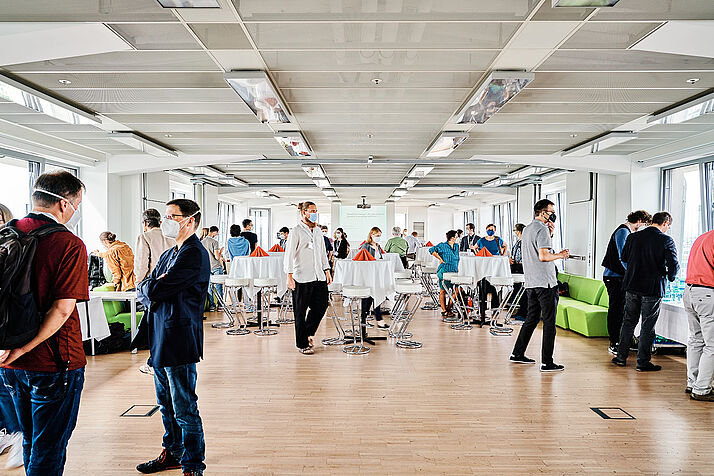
x: 101, y: 205
x: 131, y: 209
x: 645, y: 189
x: 526, y: 197
x: 606, y: 217
x: 209, y: 216
x: 439, y: 221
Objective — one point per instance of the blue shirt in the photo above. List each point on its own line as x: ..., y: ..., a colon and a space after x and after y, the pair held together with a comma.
x: 494, y: 246
x: 620, y: 238
x: 238, y: 246
x: 450, y: 255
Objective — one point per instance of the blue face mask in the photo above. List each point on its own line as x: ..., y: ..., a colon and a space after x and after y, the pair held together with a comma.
x: 490, y: 232
x: 313, y: 217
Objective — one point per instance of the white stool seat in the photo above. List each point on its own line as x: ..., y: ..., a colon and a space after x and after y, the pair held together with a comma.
x: 402, y: 275
x: 407, y: 288
x: 499, y: 281
x: 403, y: 281
x: 218, y: 278
x: 429, y: 270
x: 519, y: 278
x: 355, y: 292
x: 237, y: 282
x: 265, y: 282
x: 449, y: 276
x: 463, y: 280
x: 334, y: 287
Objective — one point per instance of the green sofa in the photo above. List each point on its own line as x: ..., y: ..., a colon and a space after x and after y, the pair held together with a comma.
x: 585, y: 311
x: 114, y: 310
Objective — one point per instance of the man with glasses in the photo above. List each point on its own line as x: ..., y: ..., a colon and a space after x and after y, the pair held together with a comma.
x: 175, y: 294
x: 468, y: 242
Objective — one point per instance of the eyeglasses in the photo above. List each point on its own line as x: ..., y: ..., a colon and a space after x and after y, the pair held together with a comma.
x: 171, y: 217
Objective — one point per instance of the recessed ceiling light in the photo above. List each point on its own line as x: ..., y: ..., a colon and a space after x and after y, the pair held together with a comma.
x: 260, y: 94
x: 573, y: 136
x: 167, y: 135
x: 491, y: 95
x: 692, y: 80
x: 376, y: 81
x: 68, y: 82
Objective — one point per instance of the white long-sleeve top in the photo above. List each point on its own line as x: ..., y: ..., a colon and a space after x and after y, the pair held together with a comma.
x: 305, y: 255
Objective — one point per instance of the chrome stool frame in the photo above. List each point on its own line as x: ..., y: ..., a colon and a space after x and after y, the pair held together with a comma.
x: 451, y: 289
x: 405, y: 291
x: 220, y: 279
x: 500, y: 284
x: 355, y: 294
x: 266, y: 289
x: 464, y: 310
x: 286, y: 305
x: 427, y: 282
x: 232, y: 288
x: 341, y: 338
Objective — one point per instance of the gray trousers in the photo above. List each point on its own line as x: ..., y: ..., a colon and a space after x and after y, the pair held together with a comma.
x: 648, y: 307
x: 699, y: 304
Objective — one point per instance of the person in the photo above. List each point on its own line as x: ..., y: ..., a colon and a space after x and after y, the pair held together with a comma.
x: 541, y: 284
x: 237, y: 245
x: 215, y: 256
x: 120, y: 260
x: 283, y: 236
x: 45, y: 377
x: 495, y: 245
x: 328, y: 244
x: 413, y: 245
x: 248, y: 234
x: 448, y: 255
x: 175, y: 293
x: 204, y: 233
x: 517, y: 268
x: 459, y: 234
x: 398, y: 245
x: 372, y: 246
x: 698, y: 301
x: 10, y: 434
x: 615, y: 271
x: 651, y: 258
x: 308, y: 275
x: 468, y: 242
x: 341, y: 245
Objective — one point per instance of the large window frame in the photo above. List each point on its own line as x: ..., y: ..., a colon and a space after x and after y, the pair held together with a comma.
x: 264, y: 236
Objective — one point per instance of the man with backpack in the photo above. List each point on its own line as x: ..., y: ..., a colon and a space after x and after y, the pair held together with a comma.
x: 43, y: 361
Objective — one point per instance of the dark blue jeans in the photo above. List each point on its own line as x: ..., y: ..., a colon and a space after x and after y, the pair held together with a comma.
x: 176, y: 395
x: 46, y: 404
x: 8, y: 417
x: 636, y: 306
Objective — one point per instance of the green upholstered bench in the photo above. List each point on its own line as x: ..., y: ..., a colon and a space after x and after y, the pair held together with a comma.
x: 585, y: 311
x: 114, y: 310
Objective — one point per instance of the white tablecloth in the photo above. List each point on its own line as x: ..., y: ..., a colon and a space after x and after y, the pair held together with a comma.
x: 260, y: 267
x: 395, y: 259
x: 353, y: 252
x: 484, y: 267
x: 98, y: 327
x: 376, y: 275
x: 672, y: 322
x: 422, y: 254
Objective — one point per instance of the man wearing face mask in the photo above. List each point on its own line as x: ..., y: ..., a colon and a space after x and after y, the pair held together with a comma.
x: 46, y: 376
x: 541, y: 284
x: 308, y: 276
x: 651, y: 257
x: 175, y: 294
x: 283, y: 236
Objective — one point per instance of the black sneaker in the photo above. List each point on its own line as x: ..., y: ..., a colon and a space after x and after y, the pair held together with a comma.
x: 165, y: 461
x: 688, y: 390
x: 192, y: 473
x: 707, y: 397
x: 521, y: 359
x: 618, y: 362
x: 551, y: 368
x: 612, y: 349
x: 649, y: 367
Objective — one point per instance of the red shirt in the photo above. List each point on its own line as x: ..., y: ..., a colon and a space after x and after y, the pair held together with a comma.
x: 59, y: 272
x: 700, y: 266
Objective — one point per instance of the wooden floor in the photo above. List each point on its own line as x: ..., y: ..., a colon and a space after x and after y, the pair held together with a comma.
x: 455, y: 406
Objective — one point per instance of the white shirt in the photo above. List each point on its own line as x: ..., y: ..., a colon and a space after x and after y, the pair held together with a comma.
x: 305, y: 255
x: 413, y: 244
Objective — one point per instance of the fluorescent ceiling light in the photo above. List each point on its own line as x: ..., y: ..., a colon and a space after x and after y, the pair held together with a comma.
x: 322, y: 183
x: 314, y: 171
x: 555, y: 173
x: 599, y: 143
x: 584, y: 3
x: 294, y: 144
x: 258, y: 93
x: 497, y: 182
x: 272, y: 196
x: 236, y: 182
x: 143, y: 144
x: 684, y: 112
x: 399, y: 192
x: 433, y: 205
x: 31, y: 98
x: 329, y: 192
x: 446, y: 143
x: 409, y: 182
x: 395, y: 198
x: 262, y: 193
x: 525, y: 172
x: 498, y: 88
x: 420, y: 171
x: 189, y: 3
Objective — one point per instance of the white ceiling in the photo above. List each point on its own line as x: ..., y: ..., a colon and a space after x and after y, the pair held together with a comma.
x: 323, y: 55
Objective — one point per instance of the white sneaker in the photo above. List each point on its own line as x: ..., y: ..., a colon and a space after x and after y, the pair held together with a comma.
x: 5, y: 441
x: 145, y: 369
x: 15, y: 458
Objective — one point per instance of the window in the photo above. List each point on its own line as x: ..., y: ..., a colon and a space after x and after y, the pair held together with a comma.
x: 226, y: 218
x: 50, y: 167
x: 17, y: 179
x: 261, y: 225
x: 504, y: 219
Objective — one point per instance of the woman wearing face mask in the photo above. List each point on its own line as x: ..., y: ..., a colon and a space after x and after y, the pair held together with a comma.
x: 495, y: 245
x: 372, y: 245
x: 120, y: 260
x: 341, y: 245
x: 448, y: 255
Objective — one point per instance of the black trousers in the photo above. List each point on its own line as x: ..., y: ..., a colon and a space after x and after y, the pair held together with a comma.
x: 484, y: 288
x: 404, y: 262
x: 616, y: 309
x: 540, y: 301
x: 313, y: 295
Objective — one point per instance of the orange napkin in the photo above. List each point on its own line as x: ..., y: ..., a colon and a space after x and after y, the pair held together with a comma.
x: 365, y: 241
x: 484, y: 252
x: 259, y: 252
x: 429, y: 243
x: 275, y: 249
x: 363, y: 255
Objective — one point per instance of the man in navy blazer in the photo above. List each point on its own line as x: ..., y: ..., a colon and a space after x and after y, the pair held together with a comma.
x: 174, y: 294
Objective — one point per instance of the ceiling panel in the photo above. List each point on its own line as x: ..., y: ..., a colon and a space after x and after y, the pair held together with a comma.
x: 367, y: 118
x: 353, y: 108
x: 171, y: 108
x: 156, y: 36
x: 547, y: 13
x: 149, y: 95
x: 621, y: 60
x: 609, y: 35
x: 377, y: 94
x: 125, y: 61
x: 185, y: 118
x: 647, y: 10
x: 627, y: 80
x: 362, y: 79
x: 590, y: 108
x: 562, y: 118
x: 602, y: 95
x: 85, y: 11
x: 138, y: 79
x: 221, y: 36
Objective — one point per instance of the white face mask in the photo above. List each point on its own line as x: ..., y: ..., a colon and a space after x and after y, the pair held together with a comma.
x: 172, y: 228
x: 76, y: 216
x: 377, y: 239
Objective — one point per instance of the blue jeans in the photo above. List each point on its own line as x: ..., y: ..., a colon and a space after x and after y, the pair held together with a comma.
x: 219, y: 287
x: 176, y: 396
x: 8, y: 417
x: 46, y: 404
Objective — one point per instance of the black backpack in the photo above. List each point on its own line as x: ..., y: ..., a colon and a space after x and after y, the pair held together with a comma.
x: 19, y: 317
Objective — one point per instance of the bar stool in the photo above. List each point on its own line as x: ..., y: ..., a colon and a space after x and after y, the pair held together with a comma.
x: 427, y: 280
x: 215, y: 281
x: 403, y: 275
x: 232, y: 287
x: 449, y: 277
x: 404, y: 293
x: 355, y: 294
x: 286, y: 305
x: 518, y: 278
x: 464, y: 310
x: 266, y: 287
x: 500, y: 284
x: 341, y: 338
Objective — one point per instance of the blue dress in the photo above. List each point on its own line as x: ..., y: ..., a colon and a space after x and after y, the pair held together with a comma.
x: 450, y: 255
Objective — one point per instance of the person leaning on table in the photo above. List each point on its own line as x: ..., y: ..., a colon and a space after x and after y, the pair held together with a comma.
x: 448, y: 255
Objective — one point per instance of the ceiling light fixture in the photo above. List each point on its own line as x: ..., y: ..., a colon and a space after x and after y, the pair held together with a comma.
x: 144, y: 144
x: 420, y: 171
x: 322, y: 183
x: 399, y: 192
x: 555, y: 173
x: 497, y: 182
x: 314, y: 171
x: 446, y: 143
x: 491, y: 95
x: 525, y: 172
x: 584, y: 3
x: 294, y: 143
x: 601, y: 142
x: 370, y: 159
x: 409, y: 182
x: 329, y: 192
x: 31, y: 98
x: 260, y: 94
x: 376, y: 81
x: 685, y: 111
x: 262, y: 193
x: 189, y: 3
x: 66, y: 82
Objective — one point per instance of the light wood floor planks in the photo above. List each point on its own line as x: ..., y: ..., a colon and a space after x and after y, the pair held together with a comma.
x: 456, y: 406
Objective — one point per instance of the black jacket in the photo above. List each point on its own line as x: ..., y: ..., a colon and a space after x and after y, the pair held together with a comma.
x: 467, y: 241
x: 341, y: 248
x: 651, y: 257
x: 612, y: 256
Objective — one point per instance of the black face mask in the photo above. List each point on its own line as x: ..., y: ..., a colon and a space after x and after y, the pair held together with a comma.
x: 552, y: 217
